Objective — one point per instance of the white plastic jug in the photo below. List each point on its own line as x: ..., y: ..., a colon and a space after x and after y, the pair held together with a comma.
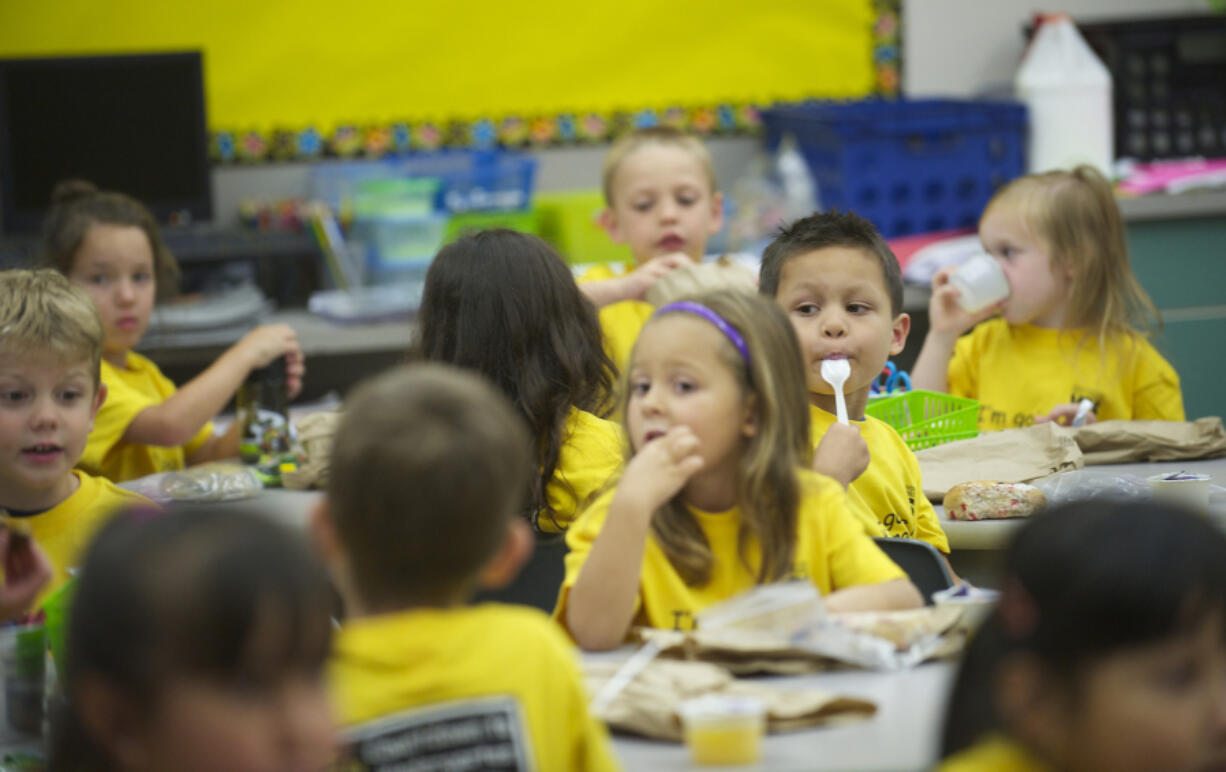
x: 1068, y: 93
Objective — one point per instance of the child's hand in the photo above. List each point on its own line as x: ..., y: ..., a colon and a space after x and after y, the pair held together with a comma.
x: 26, y: 571
x: 945, y: 316
x: 652, y: 271
x: 842, y: 454
x: 661, y: 468
x: 1064, y: 414
x: 264, y: 344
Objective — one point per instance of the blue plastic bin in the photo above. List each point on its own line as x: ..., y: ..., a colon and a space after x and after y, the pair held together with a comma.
x: 909, y: 166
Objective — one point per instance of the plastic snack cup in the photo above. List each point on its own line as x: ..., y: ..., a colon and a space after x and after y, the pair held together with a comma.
x: 724, y: 729
x: 23, y: 658
x: 1182, y: 489
x: 974, y: 602
x: 981, y: 283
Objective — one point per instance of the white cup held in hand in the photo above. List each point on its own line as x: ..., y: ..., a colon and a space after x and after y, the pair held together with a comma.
x: 980, y: 282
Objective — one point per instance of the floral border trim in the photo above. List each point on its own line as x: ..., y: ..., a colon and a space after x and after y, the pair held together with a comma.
x: 533, y: 131
x: 511, y: 132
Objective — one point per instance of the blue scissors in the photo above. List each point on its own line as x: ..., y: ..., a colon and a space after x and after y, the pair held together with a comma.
x: 891, y: 379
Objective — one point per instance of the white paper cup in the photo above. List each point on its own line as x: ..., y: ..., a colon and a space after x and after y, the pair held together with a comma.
x: 981, y: 283
x: 1190, y: 492
x: 724, y: 729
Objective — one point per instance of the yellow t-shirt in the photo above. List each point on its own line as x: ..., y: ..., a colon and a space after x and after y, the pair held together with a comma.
x: 1020, y: 371
x: 621, y: 321
x: 67, y: 528
x: 591, y: 453
x: 130, y: 390
x: 497, y: 680
x: 832, y: 550
x: 889, y: 495
x: 997, y: 754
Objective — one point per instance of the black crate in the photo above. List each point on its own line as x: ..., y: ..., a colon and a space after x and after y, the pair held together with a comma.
x: 1169, y: 82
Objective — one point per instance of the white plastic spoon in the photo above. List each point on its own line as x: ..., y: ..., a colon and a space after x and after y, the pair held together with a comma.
x: 836, y: 372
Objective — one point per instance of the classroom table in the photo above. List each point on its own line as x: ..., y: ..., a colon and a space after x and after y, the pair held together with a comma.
x: 903, y: 735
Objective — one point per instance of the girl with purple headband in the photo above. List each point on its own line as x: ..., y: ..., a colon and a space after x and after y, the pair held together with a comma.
x: 717, y: 496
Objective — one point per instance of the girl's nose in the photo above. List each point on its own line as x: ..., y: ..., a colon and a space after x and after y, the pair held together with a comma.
x: 124, y: 291
x: 651, y: 402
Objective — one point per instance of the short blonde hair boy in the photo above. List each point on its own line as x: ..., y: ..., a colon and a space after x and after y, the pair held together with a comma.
x: 42, y: 312
x: 664, y: 136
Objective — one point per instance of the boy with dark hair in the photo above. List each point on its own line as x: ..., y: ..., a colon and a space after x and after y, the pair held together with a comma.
x: 841, y: 287
x: 430, y: 467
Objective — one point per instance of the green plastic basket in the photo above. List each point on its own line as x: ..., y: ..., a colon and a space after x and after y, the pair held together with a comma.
x: 927, y: 418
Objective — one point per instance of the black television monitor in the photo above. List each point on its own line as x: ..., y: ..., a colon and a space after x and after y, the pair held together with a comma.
x: 131, y: 123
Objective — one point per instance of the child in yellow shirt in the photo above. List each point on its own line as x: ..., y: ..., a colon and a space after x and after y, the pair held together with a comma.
x: 50, y: 348
x: 661, y: 200
x: 1073, y: 326
x: 109, y: 245
x: 1106, y: 651
x: 841, y: 288
x: 430, y: 467
x: 505, y: 305
x: 716, y: 499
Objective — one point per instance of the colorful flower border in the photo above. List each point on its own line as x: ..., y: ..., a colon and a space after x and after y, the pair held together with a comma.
x: 530, y: 131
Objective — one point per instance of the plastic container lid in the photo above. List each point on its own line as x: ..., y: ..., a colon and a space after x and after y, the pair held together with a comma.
x: 720, y: 707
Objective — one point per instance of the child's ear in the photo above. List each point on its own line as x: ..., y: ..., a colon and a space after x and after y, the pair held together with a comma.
x: 110, y: 720
x: 717, y: 212
x: 749, y: 425
x: 99, y: 401
x: 898, y: 333
x: 608, y: 221
x: 323, y: 532
x: 1030, y: 700
x: 515, y: 550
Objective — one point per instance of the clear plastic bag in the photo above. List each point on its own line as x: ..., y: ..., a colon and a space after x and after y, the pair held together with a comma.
x: 214, y: 481
x: 219, y: 481
x: 1081, y: 484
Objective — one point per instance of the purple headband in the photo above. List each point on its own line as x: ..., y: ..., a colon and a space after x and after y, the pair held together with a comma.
x: 720, y: 323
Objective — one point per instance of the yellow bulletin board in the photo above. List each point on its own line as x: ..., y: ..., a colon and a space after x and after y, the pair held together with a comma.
x: 472, y: 71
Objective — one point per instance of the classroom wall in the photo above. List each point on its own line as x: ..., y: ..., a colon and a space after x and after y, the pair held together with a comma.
x: 967, y: 48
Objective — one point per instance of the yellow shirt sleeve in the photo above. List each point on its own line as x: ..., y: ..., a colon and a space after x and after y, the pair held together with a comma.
x: 579, y: 540
x: 591, y: 454
x: 130, y: 391
x: 841, y: 549
x: 123, y: 403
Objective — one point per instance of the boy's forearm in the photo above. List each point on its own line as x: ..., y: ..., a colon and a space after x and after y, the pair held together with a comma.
x: 601, y: 603
x: 607, y: 291
x: 931, y: 370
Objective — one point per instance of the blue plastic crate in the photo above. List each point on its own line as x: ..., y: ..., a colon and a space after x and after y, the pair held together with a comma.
x: 470, y: 180
x: 909, y: 166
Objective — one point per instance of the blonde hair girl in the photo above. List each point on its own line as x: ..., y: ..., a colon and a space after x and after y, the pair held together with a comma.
x: 716, y: 497
x: 1076, y: 316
